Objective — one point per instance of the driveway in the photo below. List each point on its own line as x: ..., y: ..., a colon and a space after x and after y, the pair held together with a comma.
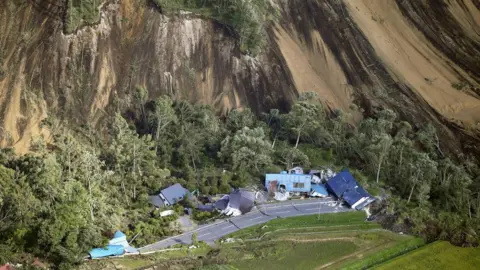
x: 260, y: 214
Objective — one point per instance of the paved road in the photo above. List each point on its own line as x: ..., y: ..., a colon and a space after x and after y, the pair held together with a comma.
x: 259, y: 215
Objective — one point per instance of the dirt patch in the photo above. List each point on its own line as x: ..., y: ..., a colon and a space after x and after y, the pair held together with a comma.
x: 413, y: 60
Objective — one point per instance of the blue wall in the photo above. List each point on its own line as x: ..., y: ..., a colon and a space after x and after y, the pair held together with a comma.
x: 288, y: 181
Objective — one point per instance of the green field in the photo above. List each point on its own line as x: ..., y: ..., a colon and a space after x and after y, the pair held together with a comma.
x: 438, y: 255
x: 328, y: 241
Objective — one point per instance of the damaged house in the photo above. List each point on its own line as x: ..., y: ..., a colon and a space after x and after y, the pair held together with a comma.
x: 283, y: 182
x: 346, y: 188
x: 238, y: 202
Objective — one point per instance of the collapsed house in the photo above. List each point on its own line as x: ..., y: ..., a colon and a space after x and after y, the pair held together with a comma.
x: 238, y: 202
x: 117, y: 246
x: 346, y: 188
x: 169, y: 196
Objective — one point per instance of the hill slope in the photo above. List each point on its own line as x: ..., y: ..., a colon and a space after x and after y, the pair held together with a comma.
x: 420, y: 58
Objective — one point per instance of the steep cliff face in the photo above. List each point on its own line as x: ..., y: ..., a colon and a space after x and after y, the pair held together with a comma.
x: 420, y: 58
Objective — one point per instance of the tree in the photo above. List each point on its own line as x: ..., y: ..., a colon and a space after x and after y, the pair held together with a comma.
x: 238, y: 119
x: 306, y: 115
x: 163, y: 116
x: 292, y: 157
x: 422, y: 171
x: 274, y: 122
x: 379, y: 150
x: 248, y: 149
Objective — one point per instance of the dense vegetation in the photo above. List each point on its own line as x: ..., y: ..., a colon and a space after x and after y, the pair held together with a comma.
x: 245, y: 18
x: 437, y: 255
x: 72, y: 193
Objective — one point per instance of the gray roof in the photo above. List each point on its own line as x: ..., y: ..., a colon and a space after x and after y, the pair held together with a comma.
x: 156, y: 200
x: 174, y: 193
x: 242, y: 199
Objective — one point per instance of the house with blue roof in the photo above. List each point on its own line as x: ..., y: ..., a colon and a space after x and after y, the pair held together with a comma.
x: 346, y: 188
x: 169, y: 196
x: 288, y: 182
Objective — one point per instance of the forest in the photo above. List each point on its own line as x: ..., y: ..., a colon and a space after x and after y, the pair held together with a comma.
x: 72, y: 192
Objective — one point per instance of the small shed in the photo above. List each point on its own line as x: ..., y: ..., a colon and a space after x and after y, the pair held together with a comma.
x: 288, y: 182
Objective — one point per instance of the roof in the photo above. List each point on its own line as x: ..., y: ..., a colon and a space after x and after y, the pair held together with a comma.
x: 288, y: 181
x: 156, y: 200
x: 319, y: 188
x: 340, y: 183
x: 344, y: 186
x: 174, y: 194
x: 242, y: 199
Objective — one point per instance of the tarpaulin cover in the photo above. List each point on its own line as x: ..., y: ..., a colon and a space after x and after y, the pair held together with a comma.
x: 110, y: 250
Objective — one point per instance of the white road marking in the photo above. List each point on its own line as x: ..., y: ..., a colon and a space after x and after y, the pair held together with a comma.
x: 231, y: 226
x: 311, y: 209
x: 282, y: 212
x: 204, y: 234
x: 256, y: 218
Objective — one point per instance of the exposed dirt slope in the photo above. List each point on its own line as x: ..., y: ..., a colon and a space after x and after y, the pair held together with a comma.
x: 405, y: 55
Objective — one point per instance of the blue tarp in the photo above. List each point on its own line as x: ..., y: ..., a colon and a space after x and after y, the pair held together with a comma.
x: 117, y: 246
x: 344, y: 186
x: 320, y: 189
x: 110, y: 250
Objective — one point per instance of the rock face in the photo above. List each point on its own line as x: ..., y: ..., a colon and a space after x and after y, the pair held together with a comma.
x: 420, y: 58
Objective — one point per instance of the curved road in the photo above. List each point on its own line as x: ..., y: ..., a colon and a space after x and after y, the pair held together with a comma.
x: 260, y: 214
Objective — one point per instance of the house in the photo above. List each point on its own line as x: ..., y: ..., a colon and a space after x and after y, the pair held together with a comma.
x: 345, y: 187
x: 116, y: 247
x: 288, y: 182
x: 169, y: 196
x: 238, y: 202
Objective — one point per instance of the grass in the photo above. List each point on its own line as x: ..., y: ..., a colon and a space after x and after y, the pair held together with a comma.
x: 354, y: 220
x: 291, y: 255
x: 330, y: 241
x: 383, y: 255
x: 438, y: 255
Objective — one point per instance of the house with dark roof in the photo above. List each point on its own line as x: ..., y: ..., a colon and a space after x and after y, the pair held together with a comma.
x: 238, y: 202
x: 346, y: 188
x: 169, y: 196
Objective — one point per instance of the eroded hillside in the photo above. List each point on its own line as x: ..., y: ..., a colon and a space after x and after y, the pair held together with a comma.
x: 420, y: 58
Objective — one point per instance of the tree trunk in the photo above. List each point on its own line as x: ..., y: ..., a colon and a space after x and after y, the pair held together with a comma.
x: 193, y: 162
x: 378, y: 170
x: 298, y: 139
x: 411, y: 192
x: 274, y: 140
